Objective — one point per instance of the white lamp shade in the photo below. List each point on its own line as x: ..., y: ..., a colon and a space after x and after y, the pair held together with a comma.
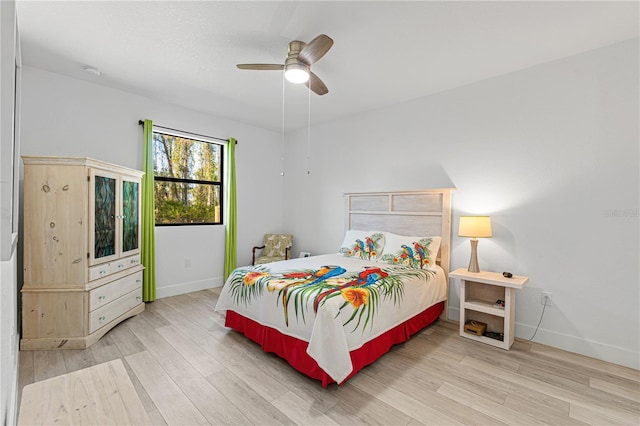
x: 475, y: 227
x: 296, y: 73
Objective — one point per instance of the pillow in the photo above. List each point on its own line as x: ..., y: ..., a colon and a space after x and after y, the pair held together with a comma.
x: 365, y: 245
x: 415, y: 252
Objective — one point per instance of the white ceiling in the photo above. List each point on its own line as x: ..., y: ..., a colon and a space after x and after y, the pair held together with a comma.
x: 385, y: 53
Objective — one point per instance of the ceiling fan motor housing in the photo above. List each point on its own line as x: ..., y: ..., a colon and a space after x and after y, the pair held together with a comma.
x: 295, y: 47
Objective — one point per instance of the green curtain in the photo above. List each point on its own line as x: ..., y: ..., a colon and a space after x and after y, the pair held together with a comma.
x: 230, y: 240
x: 148, y: 248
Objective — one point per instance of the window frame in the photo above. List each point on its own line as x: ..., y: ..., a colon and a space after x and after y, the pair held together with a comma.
x: 220, y: 184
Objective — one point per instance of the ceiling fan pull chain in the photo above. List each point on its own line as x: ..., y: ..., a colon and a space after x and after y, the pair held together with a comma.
x: 309, y: 131
x: 282, y: 148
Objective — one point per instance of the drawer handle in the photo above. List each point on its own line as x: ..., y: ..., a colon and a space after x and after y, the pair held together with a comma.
x: 138, y: 281
x: 138, y: 297
x: 101, y: 298
x: 120, y: 266
x: 134, y: 261
x: 103, y: 272
x: 101, y: 319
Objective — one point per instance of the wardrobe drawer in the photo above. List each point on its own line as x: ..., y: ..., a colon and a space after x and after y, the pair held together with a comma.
x: 132, y: 260
x: 99, y: 271
x: 122, y: 264
x: 110, y: 292
x: 105, y: 269
x: 117, y: 266
x: 104, y: 315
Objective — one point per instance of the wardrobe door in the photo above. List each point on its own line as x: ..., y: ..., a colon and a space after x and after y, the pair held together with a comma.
x: 104, y: 223
x: 131, y: 203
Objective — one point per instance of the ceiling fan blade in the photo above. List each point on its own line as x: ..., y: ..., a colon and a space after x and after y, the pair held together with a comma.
x: 260, y: 66
x: 316, y: 49
x: 316, y: 85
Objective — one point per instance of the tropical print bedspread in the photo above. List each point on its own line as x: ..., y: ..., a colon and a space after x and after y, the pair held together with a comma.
x: 334, y: 303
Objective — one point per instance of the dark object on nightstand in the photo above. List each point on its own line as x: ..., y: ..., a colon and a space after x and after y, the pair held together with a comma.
x: 494, y: 335
x: 507, y: 274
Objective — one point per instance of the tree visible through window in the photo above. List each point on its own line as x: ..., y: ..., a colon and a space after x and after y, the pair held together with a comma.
x: 188, y: 187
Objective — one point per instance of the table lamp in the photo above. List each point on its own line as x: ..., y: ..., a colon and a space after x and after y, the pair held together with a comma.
x: 474, y: 227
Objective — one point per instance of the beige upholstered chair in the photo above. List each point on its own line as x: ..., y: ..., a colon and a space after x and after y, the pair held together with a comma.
x: 276, y: 247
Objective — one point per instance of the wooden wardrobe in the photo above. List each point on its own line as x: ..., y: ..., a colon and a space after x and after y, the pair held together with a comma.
x: 82, y: 270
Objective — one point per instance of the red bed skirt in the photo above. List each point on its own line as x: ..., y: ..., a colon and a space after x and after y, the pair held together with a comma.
x: 295, y: 350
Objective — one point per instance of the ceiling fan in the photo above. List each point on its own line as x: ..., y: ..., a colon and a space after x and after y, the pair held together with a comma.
x: 297, y: 66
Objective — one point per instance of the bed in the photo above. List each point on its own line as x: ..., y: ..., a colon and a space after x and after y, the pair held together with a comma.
x: 331, y: 315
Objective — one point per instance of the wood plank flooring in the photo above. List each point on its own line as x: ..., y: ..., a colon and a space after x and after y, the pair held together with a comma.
x: 188, y: 369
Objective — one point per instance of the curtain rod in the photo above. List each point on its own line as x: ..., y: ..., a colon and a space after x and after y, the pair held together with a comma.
x: 141, y: 122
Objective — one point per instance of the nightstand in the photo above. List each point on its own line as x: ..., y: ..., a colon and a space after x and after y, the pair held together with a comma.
x: 479, y: 292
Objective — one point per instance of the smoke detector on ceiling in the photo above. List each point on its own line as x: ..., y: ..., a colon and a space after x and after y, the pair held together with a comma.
x: 92, y: 70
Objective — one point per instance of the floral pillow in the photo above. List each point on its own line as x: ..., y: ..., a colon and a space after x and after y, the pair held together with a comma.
x: 365, y: 245
x: 415, y: 252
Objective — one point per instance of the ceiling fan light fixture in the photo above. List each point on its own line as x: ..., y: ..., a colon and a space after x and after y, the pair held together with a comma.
x: 296, y: 73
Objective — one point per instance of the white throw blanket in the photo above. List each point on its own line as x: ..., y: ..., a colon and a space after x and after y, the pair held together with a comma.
x: 285, y: 296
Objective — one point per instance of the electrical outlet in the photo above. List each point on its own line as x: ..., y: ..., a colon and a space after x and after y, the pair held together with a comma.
x: 187, y: 263
x: 546, y: 295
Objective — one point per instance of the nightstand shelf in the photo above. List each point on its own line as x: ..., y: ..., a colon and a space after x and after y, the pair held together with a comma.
x: 478, y: 293
x: 483, y: 306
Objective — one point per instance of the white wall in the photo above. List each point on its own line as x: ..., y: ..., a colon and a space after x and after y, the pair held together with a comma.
x: 9, y: 60
x: 68, y: 117
x: 550, y: 152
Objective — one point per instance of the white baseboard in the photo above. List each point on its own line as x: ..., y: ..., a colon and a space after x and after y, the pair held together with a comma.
x: 454, y: 313
x: 9, y: 330
x: 579, y: 345
x: 188, y: 287
x: 12, y: 404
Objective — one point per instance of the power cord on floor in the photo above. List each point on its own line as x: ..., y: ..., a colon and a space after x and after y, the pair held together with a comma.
x: 546, y: 299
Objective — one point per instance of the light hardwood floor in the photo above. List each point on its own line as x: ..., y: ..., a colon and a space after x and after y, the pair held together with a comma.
x: 190, y: 370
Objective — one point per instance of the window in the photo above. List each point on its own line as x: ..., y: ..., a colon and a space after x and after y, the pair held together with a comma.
x: 188, y: 185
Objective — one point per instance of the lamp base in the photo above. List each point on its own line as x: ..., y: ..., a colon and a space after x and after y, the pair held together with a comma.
x: 473, y: 262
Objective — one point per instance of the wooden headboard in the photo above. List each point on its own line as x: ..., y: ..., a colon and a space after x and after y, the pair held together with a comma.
x: 412, y: 213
